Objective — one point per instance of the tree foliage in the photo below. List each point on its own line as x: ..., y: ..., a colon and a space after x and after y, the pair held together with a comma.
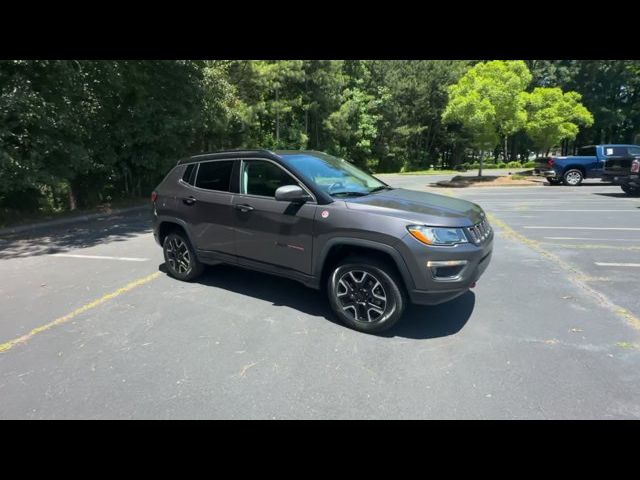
x: 554, y: 116
x: 76, y: 133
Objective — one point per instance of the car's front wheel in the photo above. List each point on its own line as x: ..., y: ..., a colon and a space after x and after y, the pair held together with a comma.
x: 180, y: 258
x: 573, y: 177
x: 366, y: 294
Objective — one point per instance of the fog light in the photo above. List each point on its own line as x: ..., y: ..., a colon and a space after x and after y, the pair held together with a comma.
x: 446, y: 270
x: 446, y: 263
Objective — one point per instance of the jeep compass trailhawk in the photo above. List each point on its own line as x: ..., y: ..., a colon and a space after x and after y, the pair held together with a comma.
x: 320, y: 220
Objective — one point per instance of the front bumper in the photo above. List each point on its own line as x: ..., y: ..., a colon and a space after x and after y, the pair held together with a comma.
x: 429, y: 288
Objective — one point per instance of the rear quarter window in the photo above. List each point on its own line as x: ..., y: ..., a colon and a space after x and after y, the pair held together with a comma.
x: 189, y: 175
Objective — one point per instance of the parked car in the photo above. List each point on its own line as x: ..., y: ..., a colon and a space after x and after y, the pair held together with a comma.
x: 624, y: 172
x: 318, y: 219
x: 589, y: 163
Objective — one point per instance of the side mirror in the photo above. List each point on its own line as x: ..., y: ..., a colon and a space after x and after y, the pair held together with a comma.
x: 292, y: 193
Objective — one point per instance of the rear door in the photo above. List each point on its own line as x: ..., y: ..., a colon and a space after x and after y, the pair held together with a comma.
x: 271, y: 233
x: 206, y: 205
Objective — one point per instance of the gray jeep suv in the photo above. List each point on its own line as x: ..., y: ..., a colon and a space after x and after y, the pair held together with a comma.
x: 320, y: 220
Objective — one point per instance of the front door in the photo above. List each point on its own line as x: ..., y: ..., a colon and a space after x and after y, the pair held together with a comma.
x: 269, y: 232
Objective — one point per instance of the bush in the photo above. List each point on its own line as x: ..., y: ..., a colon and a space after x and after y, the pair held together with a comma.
x: 530, y: 164
x: 501, y: 165
x: 474, y: 166
x: 514, y: 164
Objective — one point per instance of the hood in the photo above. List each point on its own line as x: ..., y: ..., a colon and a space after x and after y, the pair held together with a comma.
x: 419, y: 207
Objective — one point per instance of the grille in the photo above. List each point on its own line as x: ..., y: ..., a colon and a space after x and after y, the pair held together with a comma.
x: 479, y: 232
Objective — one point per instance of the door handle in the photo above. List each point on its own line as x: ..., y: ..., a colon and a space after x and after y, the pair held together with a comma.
x: 244, y: 207
x: 189, y: 201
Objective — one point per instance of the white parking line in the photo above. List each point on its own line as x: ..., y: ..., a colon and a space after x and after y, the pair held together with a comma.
x: 100, y: 257
x: 587, y: 228
x: 597, y: 239
x: 602, y: 264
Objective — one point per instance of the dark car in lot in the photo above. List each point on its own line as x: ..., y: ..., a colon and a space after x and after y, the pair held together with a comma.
x: 590, y: 162
x: 320, y: 220
x: 625, y: 172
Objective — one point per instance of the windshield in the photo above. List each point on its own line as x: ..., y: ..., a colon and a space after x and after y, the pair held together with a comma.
x: 334, y: 175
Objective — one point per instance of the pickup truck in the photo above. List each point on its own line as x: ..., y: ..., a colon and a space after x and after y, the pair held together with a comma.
x: 589, y: 163
x: 626, y: 173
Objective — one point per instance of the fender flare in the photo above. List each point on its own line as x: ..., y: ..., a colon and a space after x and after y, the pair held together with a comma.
x: 167, y: 219
x: 319, y: 261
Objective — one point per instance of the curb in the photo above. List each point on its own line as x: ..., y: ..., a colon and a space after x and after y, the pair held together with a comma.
x: 70, y: 220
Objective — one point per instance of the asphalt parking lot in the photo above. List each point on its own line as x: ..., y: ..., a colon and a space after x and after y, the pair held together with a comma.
x: 91, y: 326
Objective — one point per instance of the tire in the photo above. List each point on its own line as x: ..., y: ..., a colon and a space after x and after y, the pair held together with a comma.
x: 180, y: 258
x: 376, y: 285
x: 573, y: 177
x: 553, y: 181
x: 631, y: 191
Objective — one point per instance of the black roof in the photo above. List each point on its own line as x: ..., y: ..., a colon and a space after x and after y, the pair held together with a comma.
x: 227, y: 154
x: 261, y: 153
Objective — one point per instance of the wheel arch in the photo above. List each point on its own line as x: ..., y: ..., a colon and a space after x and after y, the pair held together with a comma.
x: 167, y: 225
x: 338, y: 248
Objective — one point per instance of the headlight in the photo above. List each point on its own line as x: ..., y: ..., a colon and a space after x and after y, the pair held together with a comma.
x: 437, y: 235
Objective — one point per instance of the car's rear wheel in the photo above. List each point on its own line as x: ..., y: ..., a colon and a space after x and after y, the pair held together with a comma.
x: 573, y: 177
x: 180, y: 257
x: 629, y: 190
x: 366, y: 294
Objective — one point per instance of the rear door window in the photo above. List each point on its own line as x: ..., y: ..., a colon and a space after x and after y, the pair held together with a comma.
x: 215, y: 175
x: 616, y: 151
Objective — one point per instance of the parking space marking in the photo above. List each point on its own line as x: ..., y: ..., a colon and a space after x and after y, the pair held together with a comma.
x: 100, y: 257
x: 604, y: 264
x: 60, y: 320
x: 596, y: 239
x: 577, y: 277
x: 586, y: 228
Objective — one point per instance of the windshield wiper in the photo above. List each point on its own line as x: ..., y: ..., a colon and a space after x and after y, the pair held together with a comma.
x: 350, y: 194
x: 381, y: 187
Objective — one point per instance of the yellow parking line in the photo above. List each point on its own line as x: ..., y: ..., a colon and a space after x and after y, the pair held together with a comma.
x: 574, y: 275
x: 59, y: 321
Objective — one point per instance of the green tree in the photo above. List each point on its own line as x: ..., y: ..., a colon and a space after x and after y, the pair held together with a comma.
x: 354, y: 126
x: 554, y: 116
x: 411, y: 133
x: 489, y: 100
